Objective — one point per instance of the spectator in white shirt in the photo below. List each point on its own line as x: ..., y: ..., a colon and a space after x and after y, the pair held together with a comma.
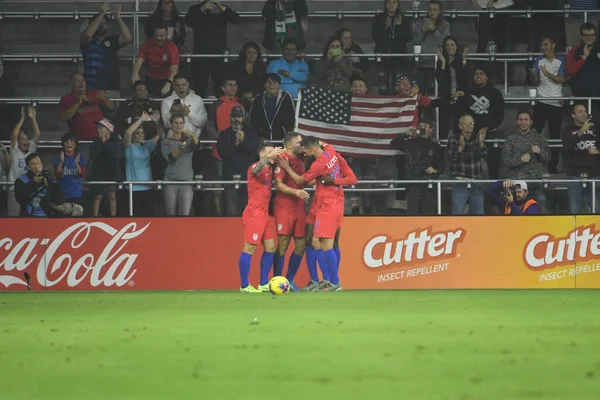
x: 185, y: 101
x: 549, y: 73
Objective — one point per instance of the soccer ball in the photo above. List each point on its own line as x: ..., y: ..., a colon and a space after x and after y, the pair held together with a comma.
x: 279, y: 285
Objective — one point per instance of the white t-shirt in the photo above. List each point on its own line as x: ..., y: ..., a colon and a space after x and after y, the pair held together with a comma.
x: 547, y: 87
x: 18, y: 167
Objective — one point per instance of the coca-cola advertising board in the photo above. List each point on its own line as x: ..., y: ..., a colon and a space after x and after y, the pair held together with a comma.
x: 377, y: 253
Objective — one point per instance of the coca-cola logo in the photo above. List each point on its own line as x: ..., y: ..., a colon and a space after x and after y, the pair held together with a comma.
x: 111, y: 267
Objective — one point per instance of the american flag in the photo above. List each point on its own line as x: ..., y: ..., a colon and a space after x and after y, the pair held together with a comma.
x: 357, y: 125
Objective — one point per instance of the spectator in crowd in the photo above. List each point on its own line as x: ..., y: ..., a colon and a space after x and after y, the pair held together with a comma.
x: 549, y: 74
x: 178, y: 149
x: 218, y: 121
x: 405, y: 88
x: 579, y: 140
x: 237, y: 146
x: 293, y: 72
x: 34, y: 189
x: 583, y: 64
x: 162, y: 63
x: 430, y: 32
x: 69, y: 169
x: 526, y: 154
x: 453, y: 77
x: 358, y: 85
x: 284, y: 19
x: 82, y: 107
x: 486, y: 104
x: 466, y: 151
x: 166, y: 14
x: 424, y: 161
x: 186, y: 102
x: 99, y: 50
x: 138, y: 152
x: 20, y: 148
x: 106, y: 155
x: 492, y: 29
x: 514, y: 197
x: 208, y: 21
x: 272, y: 113
x: 575, y: 19
x: 334, y: 70
x: 391, y: 32
x: 4, y: 163
x: 131, y: 111
x: 250, y: 71
x: 351, y: 49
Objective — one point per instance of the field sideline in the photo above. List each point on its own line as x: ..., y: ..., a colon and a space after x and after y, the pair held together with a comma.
x: 502, y: 344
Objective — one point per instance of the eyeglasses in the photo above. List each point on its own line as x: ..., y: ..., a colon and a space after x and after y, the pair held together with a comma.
x: 468, y: 123
x: 589, y: 35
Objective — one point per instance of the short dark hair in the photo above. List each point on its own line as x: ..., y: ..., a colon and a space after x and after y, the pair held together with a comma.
x: 175, y: 116
x: 578, y: 103
x: 358, y: 78
x: 310, y: 141
x: 341, y: 31
x: 551, y: 38
x: 289, y: 136
x: 525, y: 111
x: 74, y: 74
x: 427, y: 121
x: 587, y: 26
x: 289, y: 40
x: 264, y: 145
x: 180, y: 76
x: 136, y: 84
x: 31, y: 157
x: 227, y: 79
x: 160, y: 25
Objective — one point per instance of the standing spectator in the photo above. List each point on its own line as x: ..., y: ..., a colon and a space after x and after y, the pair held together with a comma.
x: 218, y: 121
x: 579, y: 140
x: 162, y: 63
x: 208, y: 21
x: 272, y: 113
x: 284, y: 19
x: 391, y: 32
x: 351, y: 49
x: 334, y: 70
x: 20, y: 148
x: 293, y: 72
x: 575, y: 19
x: 82, y: 107
x: 69, y: 169
x: 138, y: 168
x: 466, y: 152
x: 549, y: 73
x: 106, y: 155
x: 526, y: 154
x: 583, y: 64
x: 250, y: 71
x: 131, y: 111
x: 237, y: 147
x: 166, y: 14
x: 99, y: 50
x: 424, y: 161
x: 178, y: 149
x: 453, y: 77
x: 184, y: 101
x: 430, y: 33
x: 485, y: 104
x: 405, y: 89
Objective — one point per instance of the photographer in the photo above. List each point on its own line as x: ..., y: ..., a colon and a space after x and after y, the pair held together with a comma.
x: 513, y: 195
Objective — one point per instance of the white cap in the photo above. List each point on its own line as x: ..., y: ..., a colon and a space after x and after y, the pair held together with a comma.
x: 520, y: 185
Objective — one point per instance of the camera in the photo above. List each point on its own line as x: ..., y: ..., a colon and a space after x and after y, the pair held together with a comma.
x: 507, y: 192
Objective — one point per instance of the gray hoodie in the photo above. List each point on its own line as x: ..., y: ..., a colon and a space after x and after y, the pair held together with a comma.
x: 516, y: 146
x: 430, y: 41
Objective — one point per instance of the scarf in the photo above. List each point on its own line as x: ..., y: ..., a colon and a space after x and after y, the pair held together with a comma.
x: 286, y: 24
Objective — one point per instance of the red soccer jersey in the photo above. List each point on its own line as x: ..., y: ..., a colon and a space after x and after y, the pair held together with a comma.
x: 286, y: 200
x: 259, y: 192
x: 159, y: 60
x: 327, y: 164
x: 82, y: 123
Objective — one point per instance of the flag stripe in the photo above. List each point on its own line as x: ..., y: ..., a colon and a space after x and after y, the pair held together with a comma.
x: 386, y: 115
x: 350, y: 130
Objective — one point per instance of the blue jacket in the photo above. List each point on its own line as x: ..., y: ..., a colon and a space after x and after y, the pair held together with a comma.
x: 515, y: 209
x: 298, y: 74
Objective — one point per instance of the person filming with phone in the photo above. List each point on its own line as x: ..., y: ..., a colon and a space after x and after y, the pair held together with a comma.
x: 583, y: 64
x: 334, y: 70
x: 514, y: 196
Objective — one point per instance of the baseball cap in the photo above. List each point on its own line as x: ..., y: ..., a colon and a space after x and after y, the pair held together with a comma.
x: 237, y: 111
x: 273, y: 76
x: 106, y: 123
x: 520, y: 185
x: 402, y: 77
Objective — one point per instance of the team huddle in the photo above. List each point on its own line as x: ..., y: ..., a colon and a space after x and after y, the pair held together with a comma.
x: 317, y: 234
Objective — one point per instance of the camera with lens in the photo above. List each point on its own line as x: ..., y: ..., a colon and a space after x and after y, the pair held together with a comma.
x: 47, y: 176
x: 507, y: 191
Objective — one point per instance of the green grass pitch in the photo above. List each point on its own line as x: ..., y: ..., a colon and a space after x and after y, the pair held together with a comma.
x: 349, y: 345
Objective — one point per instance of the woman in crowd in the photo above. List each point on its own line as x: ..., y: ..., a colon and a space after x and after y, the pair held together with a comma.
x: 391, y: 31
x: 250, y: 71
x: 166, y: 13
x: 350, y: 49
x: 334, y: 70
x: 178, y: 149
x: 137, y: 163
x: 453, y: 77
x: 69, y: 169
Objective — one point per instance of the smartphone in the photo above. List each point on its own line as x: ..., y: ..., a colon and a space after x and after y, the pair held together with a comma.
x: 337, y: 52
x: 177, y: 102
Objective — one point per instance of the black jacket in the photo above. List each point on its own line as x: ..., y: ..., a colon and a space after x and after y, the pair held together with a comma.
x: 253, y: 83
x: 444, y: 77
x: 421, y: 153
x: 284, y: 120
x: 177, y: 23
x: 237, y: 159
x: 107, y: 160
x: 35, y: 198
x: 210, y: 30
x: 269, y: 12
x: 485, y: 104
x: 393, y: 40
x: 130, y: 112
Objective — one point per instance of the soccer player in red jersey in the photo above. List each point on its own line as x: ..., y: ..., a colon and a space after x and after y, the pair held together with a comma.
x: 258, y: 225
x: 330, y: 209
x: 289, y: 210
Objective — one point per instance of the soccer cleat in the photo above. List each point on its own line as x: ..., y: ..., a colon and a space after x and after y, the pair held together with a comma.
x: 249, y: 289
x: 333, y: 288
x: 263, y: 288
x: 322, y: 286
x: 293, y: 287
x: 309, y: 288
